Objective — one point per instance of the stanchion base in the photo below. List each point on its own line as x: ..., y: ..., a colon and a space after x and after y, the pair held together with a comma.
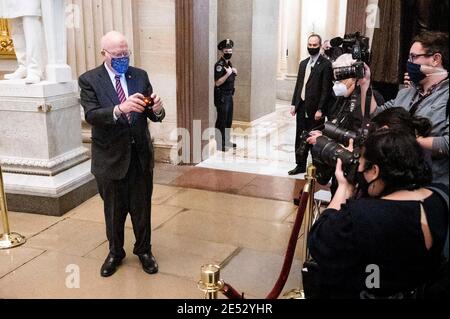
x: 11, y: 240
x: 295, y: 294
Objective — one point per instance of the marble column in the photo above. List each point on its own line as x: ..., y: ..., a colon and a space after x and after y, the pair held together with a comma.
x: 282, y: 41
x: 294, y: 36
x: 253, y: 26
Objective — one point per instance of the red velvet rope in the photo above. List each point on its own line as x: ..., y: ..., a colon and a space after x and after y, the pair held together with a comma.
x: 232, y: 293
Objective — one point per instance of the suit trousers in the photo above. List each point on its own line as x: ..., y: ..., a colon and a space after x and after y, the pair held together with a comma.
x: 224, y: 120
x: 304, y: 124
x: 132, y: 195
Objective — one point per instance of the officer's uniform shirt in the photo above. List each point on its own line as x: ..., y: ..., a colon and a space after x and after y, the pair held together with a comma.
x: 219, y: 72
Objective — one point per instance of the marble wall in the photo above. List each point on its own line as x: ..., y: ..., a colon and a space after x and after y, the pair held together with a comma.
x: 156, y: 34
x: 264, y: 58
x: 253, y: 26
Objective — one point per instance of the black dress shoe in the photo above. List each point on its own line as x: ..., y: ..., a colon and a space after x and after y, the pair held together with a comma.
x: 110, y: 265
x: 149, y: 264
x: 297, y: 170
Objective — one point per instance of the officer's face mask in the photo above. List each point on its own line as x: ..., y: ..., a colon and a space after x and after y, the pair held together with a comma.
x: 227, y: 56
x: 120, y: 65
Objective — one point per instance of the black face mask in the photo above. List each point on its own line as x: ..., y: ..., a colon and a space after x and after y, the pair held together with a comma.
x: 363, y: 185
x: 313, y: 51
x: 328, y: 53
x: 227, y: 56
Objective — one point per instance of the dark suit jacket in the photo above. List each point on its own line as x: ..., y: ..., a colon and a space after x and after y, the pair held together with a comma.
x: 318, y: 88
x: 111, y: 140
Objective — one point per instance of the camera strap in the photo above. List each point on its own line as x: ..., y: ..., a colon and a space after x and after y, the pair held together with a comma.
x: 367, y: 104
x: 414, y: 105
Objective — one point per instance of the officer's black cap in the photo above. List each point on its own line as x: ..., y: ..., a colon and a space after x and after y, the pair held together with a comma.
x: 225, y: 44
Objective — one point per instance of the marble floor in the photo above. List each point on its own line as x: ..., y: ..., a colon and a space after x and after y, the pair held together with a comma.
x: 266, y: 148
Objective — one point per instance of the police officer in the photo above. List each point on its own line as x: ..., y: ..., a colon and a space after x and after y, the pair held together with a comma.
x: 224, y: 77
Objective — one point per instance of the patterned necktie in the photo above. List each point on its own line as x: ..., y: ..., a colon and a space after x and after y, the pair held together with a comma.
x: 121, y: 94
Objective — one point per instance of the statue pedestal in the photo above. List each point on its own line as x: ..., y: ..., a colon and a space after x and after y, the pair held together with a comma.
x: 46, y: 169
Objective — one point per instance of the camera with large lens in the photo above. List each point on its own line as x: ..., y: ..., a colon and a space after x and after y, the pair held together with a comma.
x: 326, y: 152
x: 342, y: 135
x: 356, y: 71
x: 358, y: 46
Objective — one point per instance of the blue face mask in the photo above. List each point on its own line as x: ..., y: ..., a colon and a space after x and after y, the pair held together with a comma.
x: 120, y: 65
x: 415, y: 73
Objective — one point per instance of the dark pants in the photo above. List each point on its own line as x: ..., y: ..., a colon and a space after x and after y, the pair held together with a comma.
x: 224, y: 120
x: 304, y: 124
x: 130, y: 195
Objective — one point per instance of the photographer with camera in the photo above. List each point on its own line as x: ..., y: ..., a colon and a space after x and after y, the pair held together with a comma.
x: 346, y: 116
x: 427, y: 96
x: 399, y: 228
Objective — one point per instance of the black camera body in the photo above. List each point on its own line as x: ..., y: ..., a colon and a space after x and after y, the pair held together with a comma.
x: 358, y: 46
x: 326, y: 152
x: 329, y: 148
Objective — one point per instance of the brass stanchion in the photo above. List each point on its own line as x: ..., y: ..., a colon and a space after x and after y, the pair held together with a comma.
x: 308, y: 220
x: 7, y: 239
x: 310, y: 187
x: 210, y: 282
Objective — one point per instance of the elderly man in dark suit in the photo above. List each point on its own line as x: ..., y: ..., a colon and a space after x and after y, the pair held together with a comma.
x: 113, y: 97
x: 312, y: 95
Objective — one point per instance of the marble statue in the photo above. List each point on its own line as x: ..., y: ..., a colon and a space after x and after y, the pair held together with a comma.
x: 38, y: 31
x: 28, y: 38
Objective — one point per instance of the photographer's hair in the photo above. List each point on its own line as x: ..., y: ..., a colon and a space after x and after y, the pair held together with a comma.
x: 344, y: 60
x: 398, y: 118
x: 317, y: 36
x: 400, y: 159
x: 435, y: 42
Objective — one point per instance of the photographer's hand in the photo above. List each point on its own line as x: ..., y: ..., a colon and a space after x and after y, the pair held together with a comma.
x: 318, y: 115
x: 407, y: 80
x: 344, y: 191
x: 365, y: 81
x: 314, y: 135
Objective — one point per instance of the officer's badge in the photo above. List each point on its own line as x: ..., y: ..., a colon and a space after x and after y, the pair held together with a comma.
x: 219, y: 68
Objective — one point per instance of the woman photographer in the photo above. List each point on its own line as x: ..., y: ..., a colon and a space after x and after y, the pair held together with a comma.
x: 399, y: 228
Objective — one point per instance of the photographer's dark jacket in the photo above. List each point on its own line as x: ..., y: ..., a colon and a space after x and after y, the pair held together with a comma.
x: 112, y: 140
x: 319, y: 87
x: 385, y: 233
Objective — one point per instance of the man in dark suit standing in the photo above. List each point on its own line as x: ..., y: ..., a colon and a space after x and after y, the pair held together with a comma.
x: 113, y: 97
x: 312, y: 94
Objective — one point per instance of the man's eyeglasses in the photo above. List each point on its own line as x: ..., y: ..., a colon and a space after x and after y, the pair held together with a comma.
x: 413, y: 57
x: 125, y: 54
